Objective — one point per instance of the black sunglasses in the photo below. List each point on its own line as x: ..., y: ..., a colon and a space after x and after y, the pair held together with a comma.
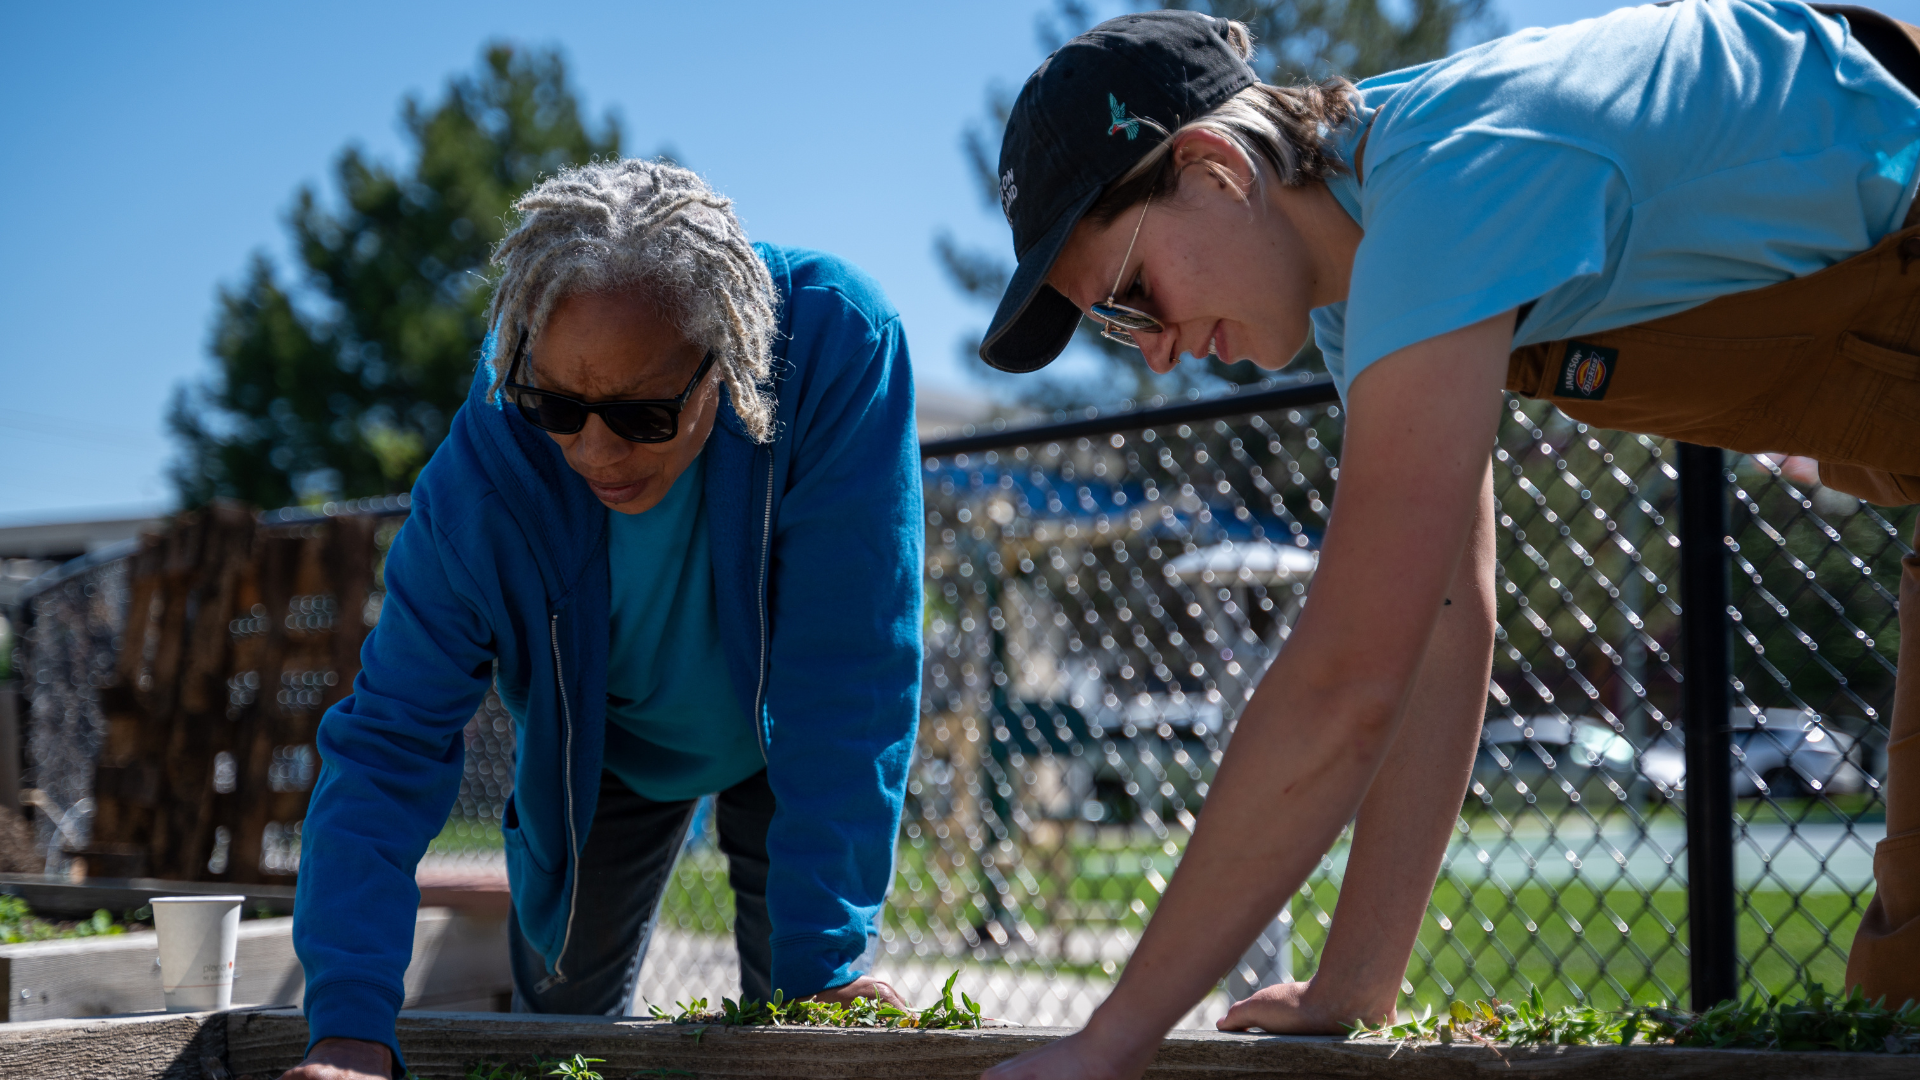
x: 651, y: 421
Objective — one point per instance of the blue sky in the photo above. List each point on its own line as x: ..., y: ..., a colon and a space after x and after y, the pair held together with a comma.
x: 152, y: 149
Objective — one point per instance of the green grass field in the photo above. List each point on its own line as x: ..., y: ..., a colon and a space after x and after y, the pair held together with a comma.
x: 463, y: 837
x: 1606, y: 947
x: 1480, y: 941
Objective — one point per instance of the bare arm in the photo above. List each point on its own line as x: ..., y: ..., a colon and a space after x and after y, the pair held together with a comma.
x: 1405, y: 821
x: 1419, y: 427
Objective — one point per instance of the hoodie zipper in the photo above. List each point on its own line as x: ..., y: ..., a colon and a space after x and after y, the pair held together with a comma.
x: 766, y: 547
x: 573, y: 843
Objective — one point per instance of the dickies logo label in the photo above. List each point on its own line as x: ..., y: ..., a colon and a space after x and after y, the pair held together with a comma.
x: 1585, y: 371
x: 1589, y: 373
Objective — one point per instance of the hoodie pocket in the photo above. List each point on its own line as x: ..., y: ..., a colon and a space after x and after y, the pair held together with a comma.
x: 539, y: 894
x: 520, y: 854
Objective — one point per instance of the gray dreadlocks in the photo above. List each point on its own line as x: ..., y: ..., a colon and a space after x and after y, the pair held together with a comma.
x: 643, y: 224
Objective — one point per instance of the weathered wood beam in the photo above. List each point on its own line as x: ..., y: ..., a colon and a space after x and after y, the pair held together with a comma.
x: 263, y: 1042
x: 163, y: 1047
x: 54, y: 898
x: 445, y: 1044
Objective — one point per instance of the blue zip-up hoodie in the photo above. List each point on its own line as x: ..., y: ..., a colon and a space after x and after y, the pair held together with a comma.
x: 502, y: 568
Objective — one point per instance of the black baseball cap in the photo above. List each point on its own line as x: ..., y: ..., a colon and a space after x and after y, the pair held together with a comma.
x: 1083, y: 119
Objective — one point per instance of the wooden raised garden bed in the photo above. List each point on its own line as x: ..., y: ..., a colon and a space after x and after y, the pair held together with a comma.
x: 260, y: 1043
x: 459, y: 949
x: 459, y: 962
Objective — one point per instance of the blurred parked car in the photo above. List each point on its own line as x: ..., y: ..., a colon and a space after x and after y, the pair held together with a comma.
x: 1526, y: 758
x: 1785, y: 753
x: 1149, y: 754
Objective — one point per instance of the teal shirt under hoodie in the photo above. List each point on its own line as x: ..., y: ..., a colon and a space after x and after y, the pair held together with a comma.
x: 675, y: 728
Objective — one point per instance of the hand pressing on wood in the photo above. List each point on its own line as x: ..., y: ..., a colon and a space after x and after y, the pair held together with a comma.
x: 1304, y: 1008
x: 866, y: 986
x: 344, y: 1059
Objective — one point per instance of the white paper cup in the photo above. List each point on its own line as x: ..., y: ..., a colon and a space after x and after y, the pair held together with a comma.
x: 197, y: 937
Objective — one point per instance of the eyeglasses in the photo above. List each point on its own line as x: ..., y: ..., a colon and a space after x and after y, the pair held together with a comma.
x: 649, y: 421
x: 1118, y: 322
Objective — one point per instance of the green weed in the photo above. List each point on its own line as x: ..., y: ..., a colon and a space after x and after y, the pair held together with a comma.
x: 577, y: 1067
x: 860, y: 1012
x: 1821, y: 1022
x: 18, y: 923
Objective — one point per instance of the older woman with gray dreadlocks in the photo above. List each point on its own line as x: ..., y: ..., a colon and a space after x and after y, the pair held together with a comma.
x: 745, y: 624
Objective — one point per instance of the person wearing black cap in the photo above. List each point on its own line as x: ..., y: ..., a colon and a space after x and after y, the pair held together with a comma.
x: 1691, y: 220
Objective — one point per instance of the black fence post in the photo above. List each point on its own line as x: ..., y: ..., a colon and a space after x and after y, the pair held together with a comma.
x: 1707, y: 669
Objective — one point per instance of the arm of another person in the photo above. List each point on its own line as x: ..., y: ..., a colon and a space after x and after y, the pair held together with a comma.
x: 1420, y: 425
x: 1401, y: 834
x: 844, y: 687
x: 390, y: 770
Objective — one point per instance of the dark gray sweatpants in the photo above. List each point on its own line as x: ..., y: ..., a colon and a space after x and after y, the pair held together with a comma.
x: 629, y: 855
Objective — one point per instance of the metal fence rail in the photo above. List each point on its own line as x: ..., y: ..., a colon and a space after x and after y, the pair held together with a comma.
x: 1103, y: 594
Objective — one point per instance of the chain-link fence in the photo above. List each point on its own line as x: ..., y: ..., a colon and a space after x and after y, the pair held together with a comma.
x: 1815, y: 574
x: 1104, y: 592
x: 67, y: 652
x: 1103, y: 596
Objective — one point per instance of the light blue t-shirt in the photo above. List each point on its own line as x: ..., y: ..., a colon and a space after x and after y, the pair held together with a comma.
x: 1615, y: 170
x: 675, y: 729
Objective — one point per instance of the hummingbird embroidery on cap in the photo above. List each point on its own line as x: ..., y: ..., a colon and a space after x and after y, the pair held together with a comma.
x: 1121, y: 121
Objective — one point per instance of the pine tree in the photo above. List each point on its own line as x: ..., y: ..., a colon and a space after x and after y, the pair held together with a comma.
x: 342, y: 384
x: 1297, y: 40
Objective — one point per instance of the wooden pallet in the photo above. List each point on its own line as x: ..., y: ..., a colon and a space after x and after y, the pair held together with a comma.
x: 238, y: 637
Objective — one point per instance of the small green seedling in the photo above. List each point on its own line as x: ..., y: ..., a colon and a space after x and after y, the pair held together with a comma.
x: 946, y: 1014
x: 576, y: 1068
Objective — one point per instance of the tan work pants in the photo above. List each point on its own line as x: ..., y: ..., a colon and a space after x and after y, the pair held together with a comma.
x: 1826, y: 366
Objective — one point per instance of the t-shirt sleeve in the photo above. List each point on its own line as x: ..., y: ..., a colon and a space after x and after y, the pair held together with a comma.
x: 1330, y: 334
x: 1466, y: 228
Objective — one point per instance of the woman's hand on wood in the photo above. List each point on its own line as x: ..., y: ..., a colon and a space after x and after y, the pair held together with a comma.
x: 1294, y: 1009
x: 344, y: 1059
x: 866, y: 986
